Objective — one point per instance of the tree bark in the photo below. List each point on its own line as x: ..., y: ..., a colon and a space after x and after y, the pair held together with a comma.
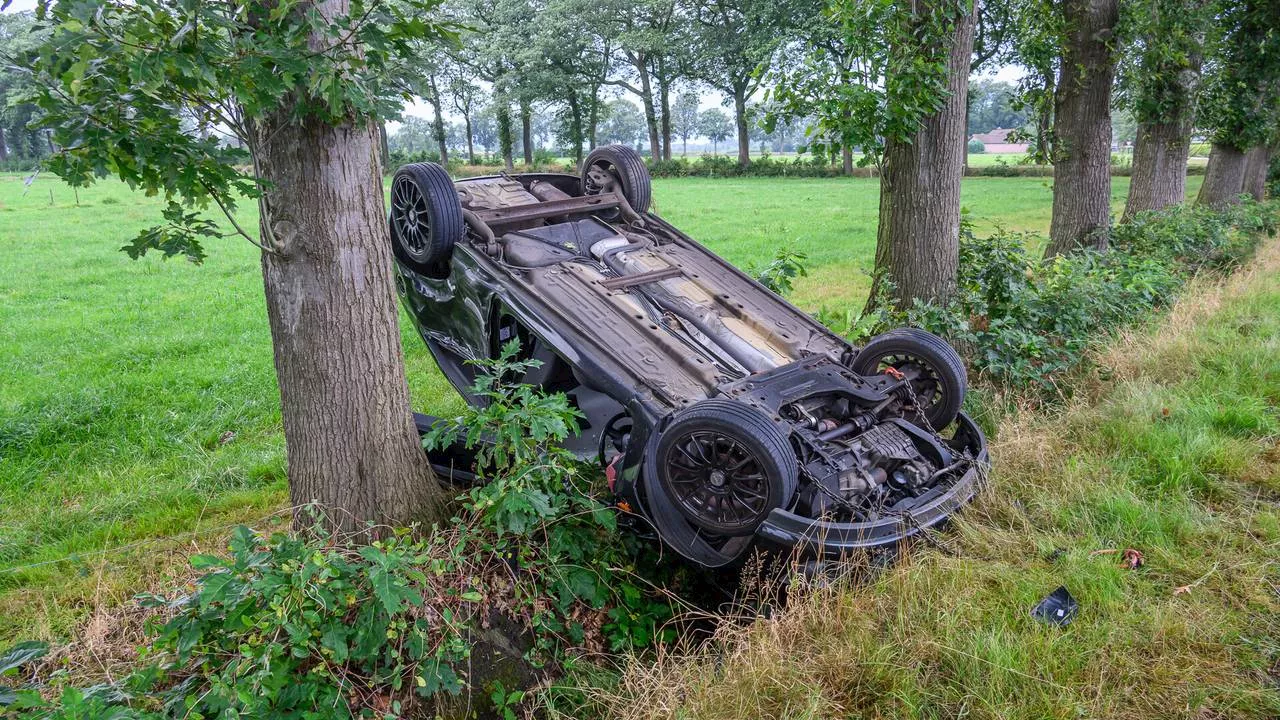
x: 1257, y: 160
x: 1159, y: 177
x: 526, y: 131
x: 471, y: 146
x: 740, y: 119
x: 664, y: 97
x: 437, y: 123
x: 505, y: 141
x: 575, y: 127
x: 593, y: 120
x: 4, y: 151
x: 846, y: 160
x: 918, y: 238
x: 1223, y: 178
x: 640, y: 62
x: 349, y: 433
x: 1082, y: 128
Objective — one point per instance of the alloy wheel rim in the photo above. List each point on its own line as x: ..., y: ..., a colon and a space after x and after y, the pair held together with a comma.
x: 717, y: 480
x: 409, y: 217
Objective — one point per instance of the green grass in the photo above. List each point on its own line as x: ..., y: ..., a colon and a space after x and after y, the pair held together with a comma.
x: 139, y: 402
x: 1176, y: 455
x: 833, y: 221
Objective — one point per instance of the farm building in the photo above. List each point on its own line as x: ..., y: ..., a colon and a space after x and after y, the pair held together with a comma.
x: 997, y: 141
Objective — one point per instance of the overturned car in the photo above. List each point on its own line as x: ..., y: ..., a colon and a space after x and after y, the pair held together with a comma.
x: 724, y: 416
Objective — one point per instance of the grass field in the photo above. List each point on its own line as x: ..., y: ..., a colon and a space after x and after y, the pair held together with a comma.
x: 138, y: 399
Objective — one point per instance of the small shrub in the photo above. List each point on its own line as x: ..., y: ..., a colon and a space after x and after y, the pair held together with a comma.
x: 1026, y: 321
x: 976, y: 147
x: 786, y: 265
x: 326, y: 626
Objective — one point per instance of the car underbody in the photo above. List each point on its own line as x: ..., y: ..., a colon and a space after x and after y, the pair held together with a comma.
x: 723, y: 416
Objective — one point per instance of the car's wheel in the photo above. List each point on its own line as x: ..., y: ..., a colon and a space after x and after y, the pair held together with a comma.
x: 725, y: 466
x: 618, y: 165
x: 937, y: 375
x: 426, y: 218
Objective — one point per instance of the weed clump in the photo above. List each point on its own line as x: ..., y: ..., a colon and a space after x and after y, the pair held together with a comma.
x: 1025, y: 322
x: 287, y: 624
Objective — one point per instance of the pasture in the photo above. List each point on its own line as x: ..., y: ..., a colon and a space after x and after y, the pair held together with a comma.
x: 138, y: 408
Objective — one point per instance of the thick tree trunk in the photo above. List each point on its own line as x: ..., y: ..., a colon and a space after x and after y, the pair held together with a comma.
x: 1159, y: 177
x: 1223, y: 178
x: 846, y: 160
x: 593, y: 119
x: 646, y: 100
x: 1256, y: 162
x: 664, y: 97
x: 526, y: 131
x: 471, y: 144
x: 740, y: 119
x: 575, y: 128
x: 437, y: 123
x: 505, y: 141
x: 918, y: 238
x: 1082, y: 128
x: 349, y: 434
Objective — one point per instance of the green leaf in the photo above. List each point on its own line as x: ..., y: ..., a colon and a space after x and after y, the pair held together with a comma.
x: 21, y: 654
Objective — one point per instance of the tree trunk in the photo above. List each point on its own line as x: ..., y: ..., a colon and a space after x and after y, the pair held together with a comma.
x: 593, y: 119
x: 1159, y: 177
x: 646, y: 99
x: 471, y: 145
x: 664, y: 96
x: 1256, y: 162
x: 740, y: 118
x: 575, y: 127
x: 349, y: 433
x: 846, y: 159
x: 526, y: 131
x: 438, y: 122
x: 384, y: 148
x: 1082, y: 128
x: 1223, y: 178
x: 918, y: 238
x: 4, y: 151
x: 505, y: 141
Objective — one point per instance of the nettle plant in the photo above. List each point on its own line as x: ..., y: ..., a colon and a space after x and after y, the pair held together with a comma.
x: 779, y: 274
x: 321, y: 625
x: 541, y: 508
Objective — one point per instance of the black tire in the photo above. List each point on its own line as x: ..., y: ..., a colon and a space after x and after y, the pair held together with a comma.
x: 725, y: 466
x: 942, y: 373
x: 426, y: 218
x: 625, y: 167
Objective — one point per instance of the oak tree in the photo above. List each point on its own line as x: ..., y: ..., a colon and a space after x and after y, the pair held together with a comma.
x: 301, y: 84
x: 898, y: 91
x: 1242, y: 98
x: 1160, y: 82
x: 1082, y: 125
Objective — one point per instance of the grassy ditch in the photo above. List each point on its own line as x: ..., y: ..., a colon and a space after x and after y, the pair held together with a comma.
x: 1173, y: 451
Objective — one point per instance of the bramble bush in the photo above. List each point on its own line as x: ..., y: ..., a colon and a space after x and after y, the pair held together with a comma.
x: 317, y: 625
x: 1024, y: 321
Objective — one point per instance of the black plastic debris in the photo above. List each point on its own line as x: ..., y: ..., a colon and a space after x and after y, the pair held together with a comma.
x: 1058, y: 608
